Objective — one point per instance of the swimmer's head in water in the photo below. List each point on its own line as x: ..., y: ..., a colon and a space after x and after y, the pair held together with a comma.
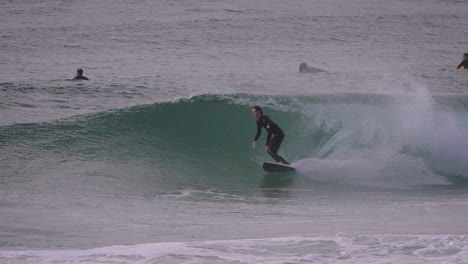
x: 79, y: 71
x: 303, y: 67
x: 465, y: 56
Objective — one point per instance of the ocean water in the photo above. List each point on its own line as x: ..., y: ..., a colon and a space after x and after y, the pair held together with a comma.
x: 150, y: 161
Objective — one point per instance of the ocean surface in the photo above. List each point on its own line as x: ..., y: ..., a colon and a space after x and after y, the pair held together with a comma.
x: 151, y: 160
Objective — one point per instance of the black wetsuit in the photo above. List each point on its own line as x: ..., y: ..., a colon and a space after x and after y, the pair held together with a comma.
x: 278, y: 136
x: 464, y: 63
x: 80, y: 77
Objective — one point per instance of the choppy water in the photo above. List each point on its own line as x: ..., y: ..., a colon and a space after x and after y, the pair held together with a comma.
x: 150, y: 161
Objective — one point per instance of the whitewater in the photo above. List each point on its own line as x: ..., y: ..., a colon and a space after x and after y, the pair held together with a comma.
x: 151, y: 160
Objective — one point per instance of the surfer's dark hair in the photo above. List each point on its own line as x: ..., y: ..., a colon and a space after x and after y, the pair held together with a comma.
x: 465, y: 54
x: 303, y: 67
x: 79, y: 70
x: 258, y: 109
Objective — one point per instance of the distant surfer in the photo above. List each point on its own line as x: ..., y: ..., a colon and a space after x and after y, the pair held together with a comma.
x: 79, y: 75
x: 272, y: 144
x: 464, y: 64
x: 304, y: 68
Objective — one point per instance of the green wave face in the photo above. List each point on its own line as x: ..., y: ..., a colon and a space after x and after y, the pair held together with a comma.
x: 205, y: 142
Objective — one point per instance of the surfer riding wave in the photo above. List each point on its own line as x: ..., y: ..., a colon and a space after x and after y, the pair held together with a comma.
x: 272, y: 144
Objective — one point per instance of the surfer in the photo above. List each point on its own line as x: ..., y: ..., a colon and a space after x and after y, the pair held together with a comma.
x: 79, y: 75
x: 272, y: 144
x: 304, y: 68
x: 464, y: 63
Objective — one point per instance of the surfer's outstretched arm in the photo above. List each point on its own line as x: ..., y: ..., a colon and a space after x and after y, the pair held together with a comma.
x: 259, y: 132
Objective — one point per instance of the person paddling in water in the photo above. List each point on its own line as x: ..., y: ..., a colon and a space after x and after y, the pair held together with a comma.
x: 79, y: 75
x: 464, y: 64
x: 272, y: 144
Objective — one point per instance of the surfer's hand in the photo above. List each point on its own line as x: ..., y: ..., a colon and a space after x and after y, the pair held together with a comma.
x: 267, y: 148
x: 254, y: 144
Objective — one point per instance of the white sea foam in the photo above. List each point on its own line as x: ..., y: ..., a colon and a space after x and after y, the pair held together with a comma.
x: 324, y: 249
x: 403, y: 144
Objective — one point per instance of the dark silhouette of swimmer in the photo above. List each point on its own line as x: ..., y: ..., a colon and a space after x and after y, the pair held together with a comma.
x: 464, y: 63
x: 272, y: 144
x: 79, y: 75
x: 304, y: 68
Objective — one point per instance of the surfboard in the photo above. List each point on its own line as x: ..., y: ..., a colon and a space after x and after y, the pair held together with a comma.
x: 276, y: 167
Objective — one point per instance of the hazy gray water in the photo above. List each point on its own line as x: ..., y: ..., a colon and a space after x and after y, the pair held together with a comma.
x: 386, y: 185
